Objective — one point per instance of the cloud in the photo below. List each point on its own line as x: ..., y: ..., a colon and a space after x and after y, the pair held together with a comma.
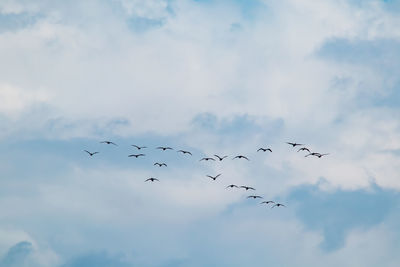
x: 221, y: 77
x: 336, y: 213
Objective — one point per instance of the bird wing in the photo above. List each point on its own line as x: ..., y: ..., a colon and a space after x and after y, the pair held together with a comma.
x: 87, y: 152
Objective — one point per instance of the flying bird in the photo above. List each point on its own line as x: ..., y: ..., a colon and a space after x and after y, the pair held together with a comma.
x: 207, y: 159
x: 152, y: 179
x: 139, y: 147
x: 278, y: 205
x: 304, y: 149
x: 247, y: 187
x: 185, y: 152
x: 108, y: 143
x: 319, y: 155
x: 264, y: 149
x: 160, y: 164
x: 220, y: 158
x: 240, y: 157
x: 254, y: 197
x: 214, y: 177
x: 267, y: 202
x: 294, y: 144
x: 137, y: 155
x: 232, y: 186
x: 163, y: 148
x: 91, y: 153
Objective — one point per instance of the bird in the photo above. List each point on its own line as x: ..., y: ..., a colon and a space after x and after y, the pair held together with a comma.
x: 220, y: 158
x: 108, y: 143
x: 139, y: 147
x: 241, y: 157
x: 254, y: 196
x: 267, y: 202
x: 214, y: 177
x: 207, y: 159
x: 319, y: 155
x: 303, y: 149
x: 264, y: 149
x: 232, y: 186
x: 160, y: 164
x: 91, y: 153
x: 152, y: 179
x: 163, y: 148
x: 247, y: 187
x: 278, y: 205
x: 294, y: 144
x: 137, y: 155
x: 185, y: 152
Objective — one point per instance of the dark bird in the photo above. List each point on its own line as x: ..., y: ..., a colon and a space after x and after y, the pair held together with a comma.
x: 278, y: 205
x: 152, y: 179
x: 267, y: 202
x: 220, y: 158
x: 319, y: 155
x: 160, y: 164
x: 139, y: 147
x: 240, y: 157
x: 254, y: 197
x: 214, y: 177
x: 294, y: 144
x: 185, y: 152
x: 247, y: 187
x: 137, y: 155
x: 91, y: 153
x: 232, y: 186
x: 207, y: 159
x: 108, y: 143
x: 264, y: 149
x: 163, y: 148
x: 304, y: 149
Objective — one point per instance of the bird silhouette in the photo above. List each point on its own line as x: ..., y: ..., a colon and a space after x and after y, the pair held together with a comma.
x: 139, y: 147
x: 304, y: 149
x: 214, y: 177
x: 207, y: 159
x: 108, y: 143
x: 264, y: 149
x: 247, y: 187
x: 267, y: 202
x: 220, y: 158
x: 232, y: 186
x: 137, y: 155
x: 160, y: 164
x: 278, y: 205
x: 152, y: 179
x: 185, y: 152
x: 294, y: 144
x: 316, y: 154
x: 163, y: 148
x: 241, y: 157
x: 254, y: 196
x: 91, y: 153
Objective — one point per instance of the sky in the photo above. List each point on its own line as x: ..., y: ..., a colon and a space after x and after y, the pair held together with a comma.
x: 219, y: 77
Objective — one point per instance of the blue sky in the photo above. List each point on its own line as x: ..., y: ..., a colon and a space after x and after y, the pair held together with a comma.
x: 223, y: 77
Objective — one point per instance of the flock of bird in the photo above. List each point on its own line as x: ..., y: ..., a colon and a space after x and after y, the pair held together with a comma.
x: 219, y: 158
